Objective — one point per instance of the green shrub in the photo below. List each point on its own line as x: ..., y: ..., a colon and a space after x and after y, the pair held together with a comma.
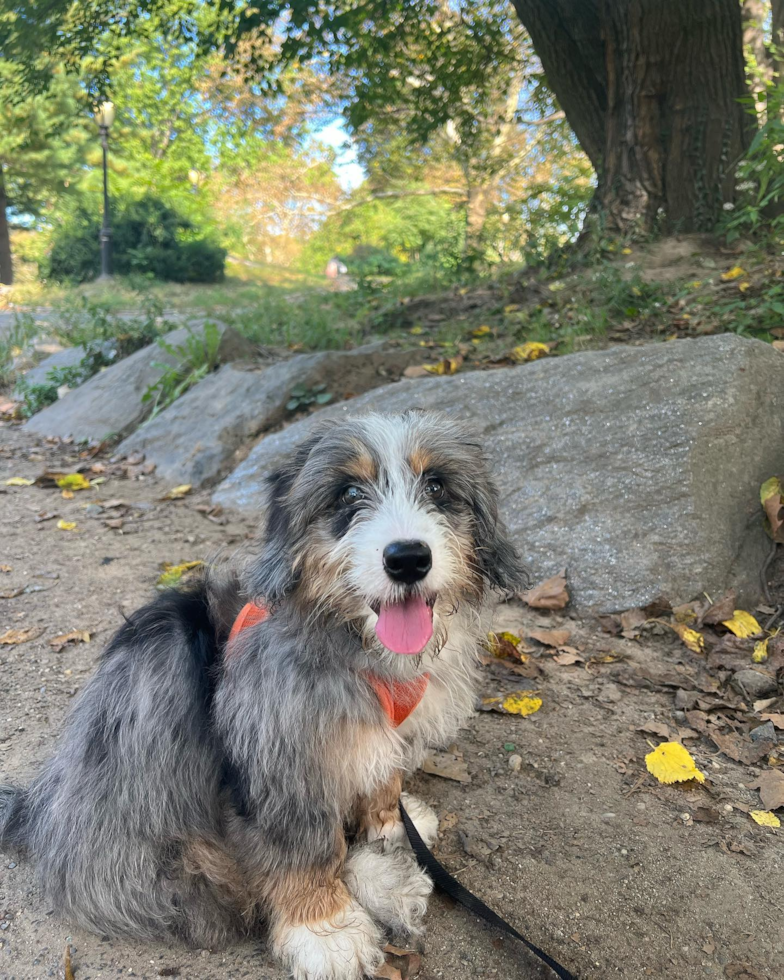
x: 148, y: 238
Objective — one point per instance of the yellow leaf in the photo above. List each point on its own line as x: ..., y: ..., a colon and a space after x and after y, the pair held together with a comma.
x: 696, y: 284
x: 66, y: 525
x: 482, y: 331
x: 765, y: 818
x: 177, y: 493
x: 626, y: 251
x: 670, y: 762
x: 19, y: 481
x: 734, y: 273
x: 530, y: 351
x: 73, y: 481
x: 743, y: 286
x: 512, y: 308
x: 770, y: 488
x: 449, y: 365
x: 171, y: 575
x: 556, y: 287
x: 505, y: 645
x: 760, y: 654
x: 694, y: 640
x: 742, y: 624
x: 522, y: 703
x: 416, y: 331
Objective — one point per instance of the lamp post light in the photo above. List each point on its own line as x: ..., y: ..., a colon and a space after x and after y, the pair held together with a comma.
x: 104, y: 116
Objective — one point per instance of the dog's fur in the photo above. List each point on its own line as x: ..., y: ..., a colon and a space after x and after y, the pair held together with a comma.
x: 204, y: 795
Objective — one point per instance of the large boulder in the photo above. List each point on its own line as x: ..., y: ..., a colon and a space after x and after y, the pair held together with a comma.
x: 637, y: 468
x: 194, y: 439
x: 110, y: 404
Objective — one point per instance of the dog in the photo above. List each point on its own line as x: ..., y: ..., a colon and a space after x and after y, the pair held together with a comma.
x: 236, y: 762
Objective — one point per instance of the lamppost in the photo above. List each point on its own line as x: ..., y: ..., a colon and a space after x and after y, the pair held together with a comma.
x: 104, y: 116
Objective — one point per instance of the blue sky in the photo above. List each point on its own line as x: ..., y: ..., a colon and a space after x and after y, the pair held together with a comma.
x: 349, y: 173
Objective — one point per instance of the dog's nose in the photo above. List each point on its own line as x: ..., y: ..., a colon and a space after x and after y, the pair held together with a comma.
x: 407, y: 561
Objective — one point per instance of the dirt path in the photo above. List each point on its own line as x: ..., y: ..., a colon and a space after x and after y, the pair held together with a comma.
x: 593, y: 860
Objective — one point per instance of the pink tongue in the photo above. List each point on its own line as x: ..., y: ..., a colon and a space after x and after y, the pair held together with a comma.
x: 405, y: 627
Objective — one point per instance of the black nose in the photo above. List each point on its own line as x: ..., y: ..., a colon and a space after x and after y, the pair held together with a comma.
x: 407, y: 561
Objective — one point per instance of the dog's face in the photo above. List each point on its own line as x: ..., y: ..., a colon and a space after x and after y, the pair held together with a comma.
x: 388, y: 521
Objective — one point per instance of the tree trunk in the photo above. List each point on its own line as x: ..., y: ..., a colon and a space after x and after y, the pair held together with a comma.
x: 754, y: 13
x: 6, y: 265
x: 476, y: 215
x: 777, y: 33
x: 655, y: 84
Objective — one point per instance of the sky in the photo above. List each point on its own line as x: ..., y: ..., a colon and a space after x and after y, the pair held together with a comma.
x: 349, y: 173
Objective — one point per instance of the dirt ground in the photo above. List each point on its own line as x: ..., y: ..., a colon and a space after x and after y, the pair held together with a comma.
x: 612, y: 873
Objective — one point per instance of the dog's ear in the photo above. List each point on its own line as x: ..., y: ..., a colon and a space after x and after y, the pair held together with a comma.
x: 272, y: 575
x: 496, y: 555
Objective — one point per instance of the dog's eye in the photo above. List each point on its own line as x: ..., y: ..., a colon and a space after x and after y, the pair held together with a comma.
x: 352, y: 495
x: 434, y: 489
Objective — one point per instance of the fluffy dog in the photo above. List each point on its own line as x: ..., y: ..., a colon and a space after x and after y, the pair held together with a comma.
x: 209, y: 781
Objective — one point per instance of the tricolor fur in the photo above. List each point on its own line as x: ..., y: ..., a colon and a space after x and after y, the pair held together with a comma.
x: 207, y: 794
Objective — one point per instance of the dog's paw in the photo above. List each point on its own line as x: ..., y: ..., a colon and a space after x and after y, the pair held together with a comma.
x: 393, y: 833
x: 346, y: 947
x: 390, y: 886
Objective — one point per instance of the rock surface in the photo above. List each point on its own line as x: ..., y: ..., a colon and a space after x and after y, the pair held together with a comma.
x: 194, y: 440
x: 637, y: 469
x: 110, y: 403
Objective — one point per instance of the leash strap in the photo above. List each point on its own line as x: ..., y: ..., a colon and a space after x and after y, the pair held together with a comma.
x: 444, y: 880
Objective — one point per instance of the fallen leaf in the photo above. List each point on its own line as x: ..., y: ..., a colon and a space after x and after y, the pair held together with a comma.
x: 770, y: 784
x: 415, y: 371
x: 449, y: 365
x: 114, y: 522
x: 742, y: 624
x: 632, y: 619
x: 772, y: 499
x: 741, y: 971
x: 66, y: 525
x: 764, y: 703
x: 73, y: 481
x: 567, y: 657
x: 448, y: 765
x: 114, y: 503
x: 447, y: 822
x: 551, y: 638
x: 704, y: 814
x: 530, y: 351
x: 670, y: 762
x: 177, y: 493
x: 171, y: 576
x: 694, y: 640
x: 734, y: 273
x: 721, y: 609
x: 764, y: 818
x: 12, y: 637
x: 407, y: 961
x: 760, y: 654
x: 777, y: 719
x: 550, y: 594
x: 506, y: 645
x: 19, y: 481
x: 522, y: 703
x: 45, y: 515
x: 75, y: 636
x: 6, y: 568
x: 67, y: 494
x: 12, y: 593
x: 656, y: 728
x: 739, y: 748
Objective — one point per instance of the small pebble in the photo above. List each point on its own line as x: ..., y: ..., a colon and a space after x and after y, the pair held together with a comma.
x: 607, y: 817
x: 515, y: 763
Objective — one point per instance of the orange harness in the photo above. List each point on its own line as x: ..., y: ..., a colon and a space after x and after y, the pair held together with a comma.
x: 397, y: 698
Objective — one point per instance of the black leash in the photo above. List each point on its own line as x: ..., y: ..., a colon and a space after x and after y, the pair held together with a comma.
x: 455, y: 890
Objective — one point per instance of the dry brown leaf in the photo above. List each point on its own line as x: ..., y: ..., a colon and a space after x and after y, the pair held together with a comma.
x: 741, y: 749
x: 12, y: 637
x: 720, y: 610
x: 12, y: 593
x: 551, y: 594
x: 770, y: 784
x: 387, y: 972
x: 6, y: 569
x: 415, y: 371
x: 567, y: 656
x: 632, y: 619
x: 448, y: 765
x: 777, y: 719
x: 75, y: 636
x: 551, y: 638
x: 656, y: 728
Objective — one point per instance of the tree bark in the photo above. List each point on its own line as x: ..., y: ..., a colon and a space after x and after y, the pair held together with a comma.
x: 754, y: 13
x: 6, y: 263
x: 651, y: 89
x: 476, y: 214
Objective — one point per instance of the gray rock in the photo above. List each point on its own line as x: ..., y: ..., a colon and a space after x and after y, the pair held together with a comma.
x: 636, y: 468
x: 68, y: 357
x: 750, y: 683
x: 194, y: 440
x: 110, y: 403
x: 764, y: 733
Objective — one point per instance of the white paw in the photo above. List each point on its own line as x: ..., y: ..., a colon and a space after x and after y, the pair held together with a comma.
x: 389, y: 885
x: 347, y: 947
x: 423, y: 817
x: 393, y: 833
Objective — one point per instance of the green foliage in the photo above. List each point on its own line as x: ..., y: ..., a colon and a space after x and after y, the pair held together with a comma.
x: 301, y: 397
x: 87, y: 323
x: 194, y: 359
x: 148, y: 238
x: 759, y: 211
x: 13, y: 341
